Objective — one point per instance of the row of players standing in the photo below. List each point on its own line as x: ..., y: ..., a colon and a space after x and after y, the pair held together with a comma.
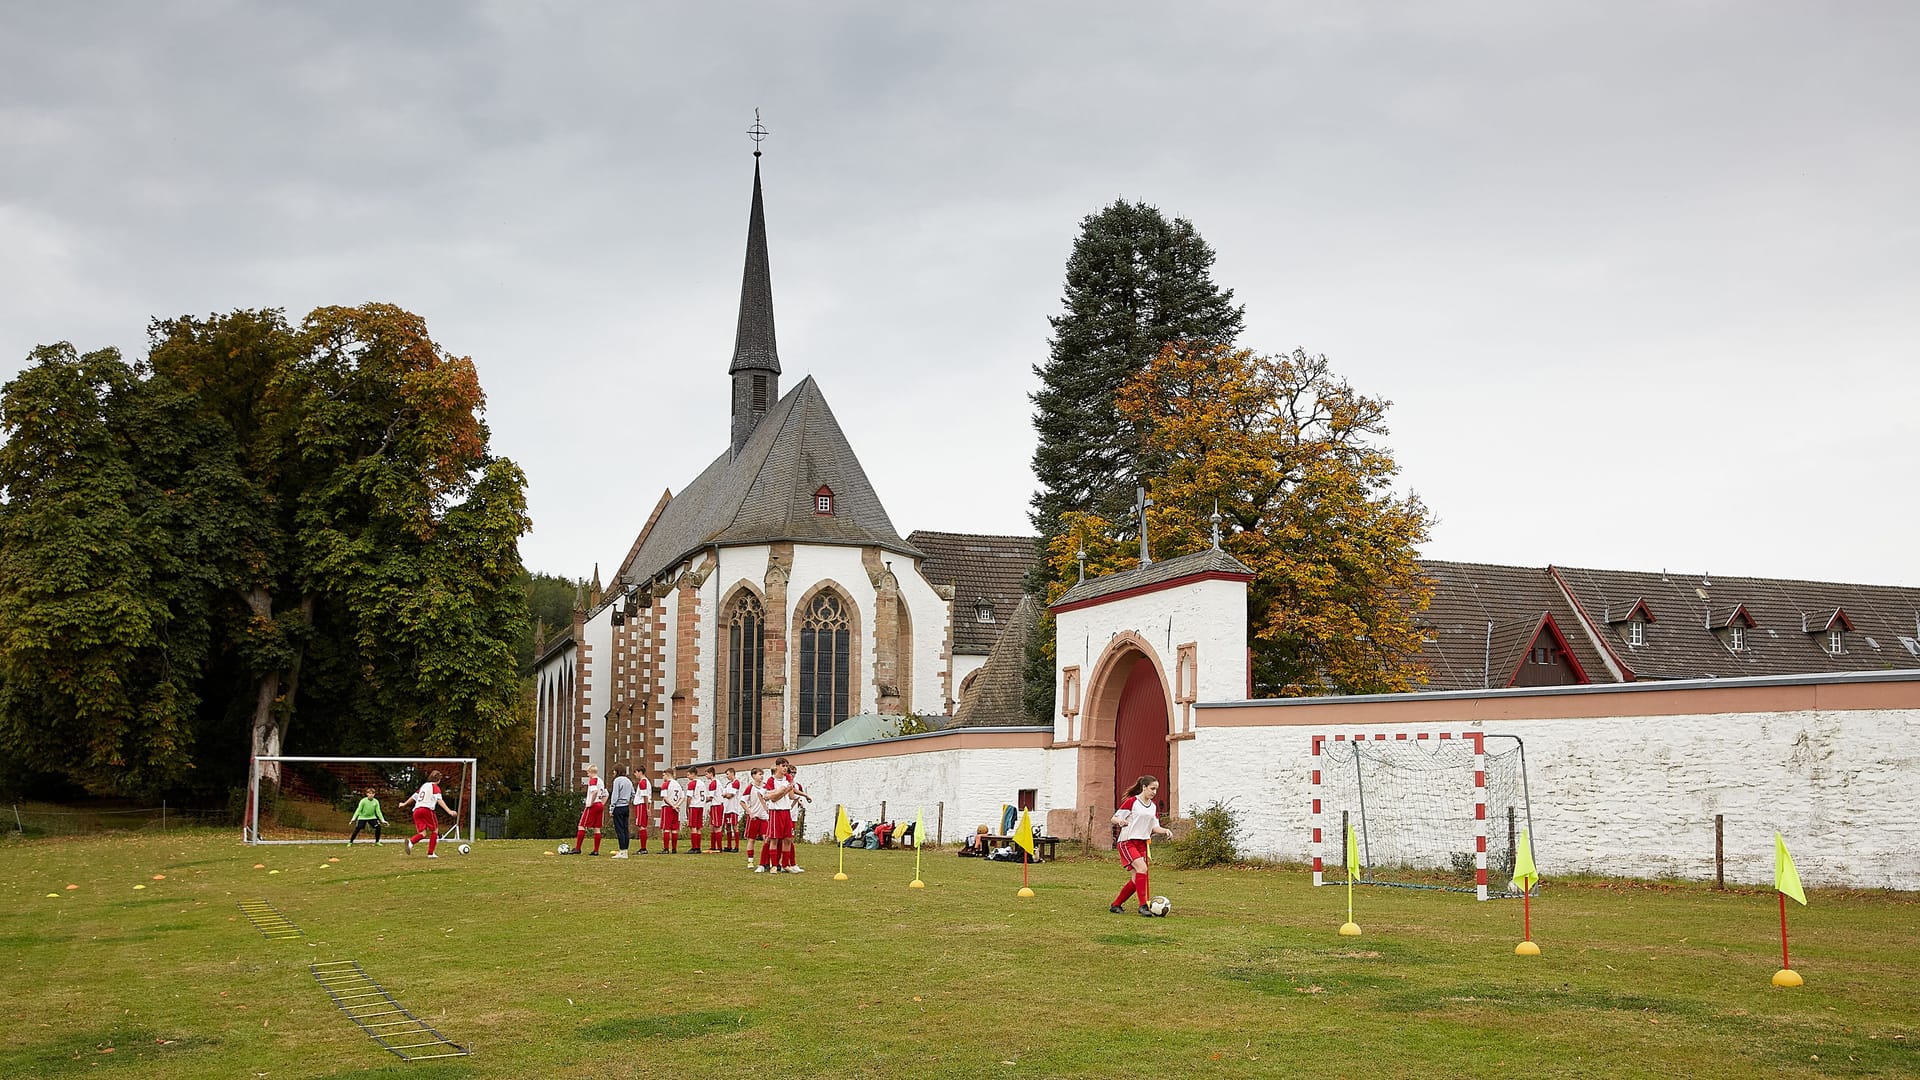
x: 727, y: 807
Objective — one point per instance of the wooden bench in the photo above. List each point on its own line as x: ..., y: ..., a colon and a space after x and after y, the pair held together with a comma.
x: 1045, y: 848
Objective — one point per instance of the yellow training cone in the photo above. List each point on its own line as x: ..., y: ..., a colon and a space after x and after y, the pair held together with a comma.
x: 53, y: 896
x: 159, y: 877
x: 1526, y: 948
x: 72, y: 887
x: 1024, y: 892
x: 1787, y: 977
x: 139, y: 886
x: 916, y: 883
x: 1349, y: 929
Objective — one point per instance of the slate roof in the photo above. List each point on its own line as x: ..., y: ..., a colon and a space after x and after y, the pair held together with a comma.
x: 1789, y: 620
x: 1210, y: 561
x: 766, y: 493
x: 994, y: 567
x: 997, y: 697
x: 1463, y: 652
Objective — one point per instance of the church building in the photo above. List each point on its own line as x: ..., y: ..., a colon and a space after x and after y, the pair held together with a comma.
x: 771, y: 599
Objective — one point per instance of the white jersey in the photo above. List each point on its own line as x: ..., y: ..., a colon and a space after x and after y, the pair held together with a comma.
x: 642, y: 790
x: 783, y: 800
x: 730, y: 797
x: 596, y: 791
x: 706, y: 792
x: 755, y: 800
x: 1143, y: 817
x: 428, y: 794
x: 672, y: 794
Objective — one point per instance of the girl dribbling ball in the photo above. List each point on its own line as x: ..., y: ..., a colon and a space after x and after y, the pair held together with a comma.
x: 1139, y: 821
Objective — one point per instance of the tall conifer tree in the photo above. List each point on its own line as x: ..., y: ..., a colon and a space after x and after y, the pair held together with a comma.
x: 1136, y: 282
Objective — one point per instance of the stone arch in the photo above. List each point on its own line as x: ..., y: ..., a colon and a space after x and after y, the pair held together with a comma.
x: 1120, y: 683
x: 797, y: 652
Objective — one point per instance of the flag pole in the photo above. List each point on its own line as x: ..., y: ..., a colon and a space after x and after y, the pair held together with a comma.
x: 1786, y: 964
x: 1350, y: 928
x: 1786, y: 882
x: 918, y: 843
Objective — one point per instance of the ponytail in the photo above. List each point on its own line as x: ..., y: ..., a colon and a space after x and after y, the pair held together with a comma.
x: 1141, y: 785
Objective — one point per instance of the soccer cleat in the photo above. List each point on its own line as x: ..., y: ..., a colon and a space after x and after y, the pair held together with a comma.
x: 431, y: 855
x: 593, y: 853
x: 795, y: 870
x: 409, y: 847
x: 1147, y: 911
x: 759, y: 869
x: 1115, y: 908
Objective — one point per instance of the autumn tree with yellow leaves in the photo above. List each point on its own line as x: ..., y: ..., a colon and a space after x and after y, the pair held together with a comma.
x: 1293, y: 455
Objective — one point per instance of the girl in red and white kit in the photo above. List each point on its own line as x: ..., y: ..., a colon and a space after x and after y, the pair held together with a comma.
x: 593, y: 815
x: 642, y: 802
x: 425, y: 823
x: 672, y: 795
x: 1139, y: 822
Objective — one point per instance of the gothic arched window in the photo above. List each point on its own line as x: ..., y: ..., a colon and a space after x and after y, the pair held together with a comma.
x: 826, y: 663
x: 745, y: 661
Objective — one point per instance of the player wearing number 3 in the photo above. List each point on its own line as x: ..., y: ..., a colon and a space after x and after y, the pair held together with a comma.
x: 1139, y: 821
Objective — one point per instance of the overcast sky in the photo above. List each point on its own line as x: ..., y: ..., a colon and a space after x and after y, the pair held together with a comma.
x: 1642, y: 281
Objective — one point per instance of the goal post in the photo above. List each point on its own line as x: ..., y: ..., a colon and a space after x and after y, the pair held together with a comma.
x: 1429, y: 809
x: 311, y: 800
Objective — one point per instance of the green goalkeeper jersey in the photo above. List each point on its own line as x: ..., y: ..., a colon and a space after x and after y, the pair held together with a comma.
x: 369, y: 811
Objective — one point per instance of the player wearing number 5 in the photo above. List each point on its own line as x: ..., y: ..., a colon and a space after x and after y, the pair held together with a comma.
x: 1139, y: 822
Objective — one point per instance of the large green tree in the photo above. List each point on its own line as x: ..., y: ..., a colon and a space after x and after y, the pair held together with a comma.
x: 1135, y: 283
x: 283, y: 520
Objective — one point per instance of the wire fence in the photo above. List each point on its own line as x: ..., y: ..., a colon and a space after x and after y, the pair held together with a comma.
x: 43, y: 819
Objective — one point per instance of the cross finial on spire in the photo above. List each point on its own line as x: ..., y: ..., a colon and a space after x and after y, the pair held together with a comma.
x: 1216, y: 524
x: 757, y: 132
x: 1141, y: 502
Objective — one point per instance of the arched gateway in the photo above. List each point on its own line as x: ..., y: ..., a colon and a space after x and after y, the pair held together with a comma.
x: 1133, y: 652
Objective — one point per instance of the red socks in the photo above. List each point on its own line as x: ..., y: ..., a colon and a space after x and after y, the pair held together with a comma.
x: 1140, y: 886
x: 596, y: 841
x: 579, y: 839
x: 1132, y: 886
x: 433, y: 838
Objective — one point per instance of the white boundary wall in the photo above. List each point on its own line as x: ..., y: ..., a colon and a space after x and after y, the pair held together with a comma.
x: 1629, y: 788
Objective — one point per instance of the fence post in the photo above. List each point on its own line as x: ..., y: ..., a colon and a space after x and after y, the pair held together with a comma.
x: 1719, y: 851
x: 883, y: 809
x: 163, y: 817
x: 940, y: 825
x: 18, y: 826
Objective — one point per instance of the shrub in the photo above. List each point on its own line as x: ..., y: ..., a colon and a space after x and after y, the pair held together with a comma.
x: 1215, y: 840
x: 542, y: 815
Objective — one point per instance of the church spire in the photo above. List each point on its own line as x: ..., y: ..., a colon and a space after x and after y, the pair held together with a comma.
x: 756, y: 357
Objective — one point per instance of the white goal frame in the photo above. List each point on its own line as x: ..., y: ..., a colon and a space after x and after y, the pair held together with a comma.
x: 1478, y: 741
x: 250, y: 829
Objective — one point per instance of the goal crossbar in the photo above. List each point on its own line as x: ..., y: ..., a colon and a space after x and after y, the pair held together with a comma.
x: 466, y: 808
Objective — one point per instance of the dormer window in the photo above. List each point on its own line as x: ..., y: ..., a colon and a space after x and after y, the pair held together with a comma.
x: 823, y: 500
x: 1632, y: 622
x: 1836, y: 642
x: 1736, y: 639
x: 983, y: 610
x: 1636, y: 632
x: 1830, y: 630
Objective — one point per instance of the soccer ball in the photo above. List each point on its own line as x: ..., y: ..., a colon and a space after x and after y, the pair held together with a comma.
x: 1160, y: 905
x: 466, y: 849
x: 563, y: 849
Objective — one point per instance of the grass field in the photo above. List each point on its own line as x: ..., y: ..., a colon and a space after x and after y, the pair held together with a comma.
x: 690, y: 966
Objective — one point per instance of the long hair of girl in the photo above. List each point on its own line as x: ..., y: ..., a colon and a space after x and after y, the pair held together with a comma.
x: 1140, y: 785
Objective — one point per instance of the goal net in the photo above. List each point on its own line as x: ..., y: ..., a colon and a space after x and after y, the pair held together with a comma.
x: 1433, y: 810
x: 311, y: 800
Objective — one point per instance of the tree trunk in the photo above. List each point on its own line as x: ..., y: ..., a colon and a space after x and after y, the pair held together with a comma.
x: 273, y: 709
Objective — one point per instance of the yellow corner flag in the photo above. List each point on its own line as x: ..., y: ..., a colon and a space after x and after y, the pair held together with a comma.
x: 1024, y: 834
x: 1353, y: 855
x: 1785, y: 878
x: 1524, y: 875
x: 919, y: 825
x: 842, y: 828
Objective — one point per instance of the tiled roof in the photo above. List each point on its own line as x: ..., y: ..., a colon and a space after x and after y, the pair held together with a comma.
x: 1789, y: 620
x: 1210, y: 561
x: 994, y: 567
x: 754, y: 346
x: 1482, y: 619
x: 997, y: 696
x: 767, y: 492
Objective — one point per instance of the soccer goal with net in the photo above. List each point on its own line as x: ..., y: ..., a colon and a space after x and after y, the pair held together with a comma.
x: 1421, y: 806
x: 311, y: 800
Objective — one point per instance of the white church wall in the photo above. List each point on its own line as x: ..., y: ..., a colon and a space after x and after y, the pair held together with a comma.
x: 1633, y: 794
x: 964, y: 664
x: 669, y: 673
x: 596, y: 687
x: 928, y: 613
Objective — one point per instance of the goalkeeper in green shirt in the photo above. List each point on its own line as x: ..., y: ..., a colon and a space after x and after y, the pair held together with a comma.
x: 368, y: 814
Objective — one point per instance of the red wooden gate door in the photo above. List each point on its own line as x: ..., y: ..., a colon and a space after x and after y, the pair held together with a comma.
x: 1140, y: 730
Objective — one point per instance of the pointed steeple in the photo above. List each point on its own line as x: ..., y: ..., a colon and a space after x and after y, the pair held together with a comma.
x: 756, y: 356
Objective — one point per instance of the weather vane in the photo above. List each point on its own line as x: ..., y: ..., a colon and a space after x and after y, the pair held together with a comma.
x: 757, y: 132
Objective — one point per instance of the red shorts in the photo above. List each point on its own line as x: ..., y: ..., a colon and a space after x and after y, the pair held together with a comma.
x: 424, y: 821
x: 780, y: 825
x: 731, y: 821
x: 593, y: 816
x: 696, y: 817
x: 756, y: 828
x: 669, y: 819
x: 1131, y: 850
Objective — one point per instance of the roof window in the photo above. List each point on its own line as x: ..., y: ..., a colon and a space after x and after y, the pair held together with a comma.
x: 823, y: 500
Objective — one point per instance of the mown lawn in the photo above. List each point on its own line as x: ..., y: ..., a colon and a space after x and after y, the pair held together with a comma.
x: 687, y: 966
